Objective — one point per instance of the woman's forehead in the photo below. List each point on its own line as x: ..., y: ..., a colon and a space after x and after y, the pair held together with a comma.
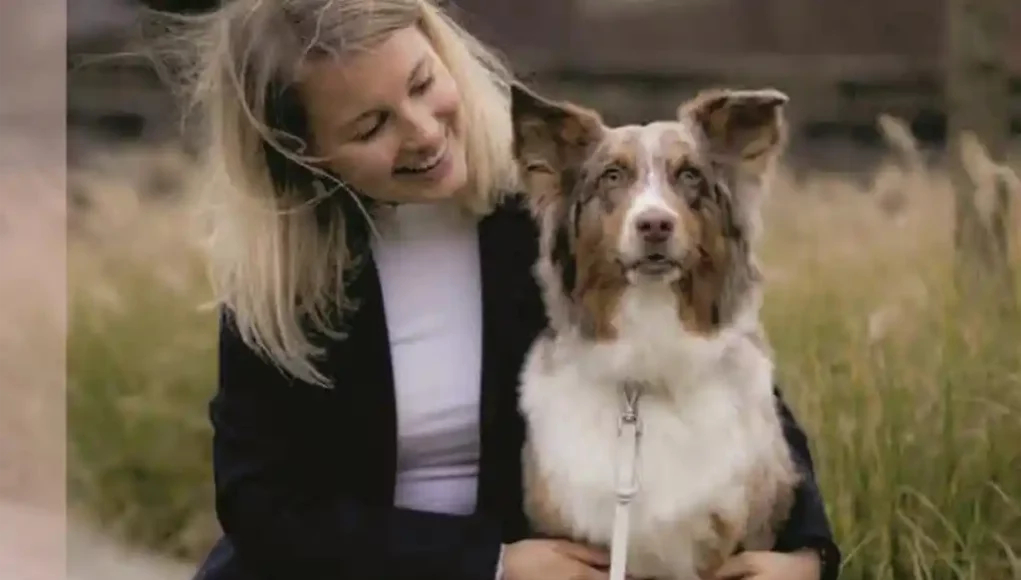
x: 360, y: 80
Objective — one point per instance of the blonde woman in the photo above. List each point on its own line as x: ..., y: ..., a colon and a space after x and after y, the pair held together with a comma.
x: 365, y: 418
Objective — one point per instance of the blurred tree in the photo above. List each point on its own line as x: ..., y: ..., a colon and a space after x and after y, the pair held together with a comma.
x: 978, y: 102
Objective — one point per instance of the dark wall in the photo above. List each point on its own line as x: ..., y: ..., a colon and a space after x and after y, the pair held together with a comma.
x: 843, y: 62
x: 181, y: 6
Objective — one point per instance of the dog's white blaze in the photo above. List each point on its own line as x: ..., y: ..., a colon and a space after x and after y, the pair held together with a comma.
x: 653, y: 192
x: 650, y: 197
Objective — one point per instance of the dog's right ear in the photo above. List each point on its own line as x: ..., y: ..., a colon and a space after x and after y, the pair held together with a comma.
x: 551, y: 139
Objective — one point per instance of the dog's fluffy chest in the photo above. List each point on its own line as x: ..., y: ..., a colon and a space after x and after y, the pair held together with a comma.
x: 710, y: 450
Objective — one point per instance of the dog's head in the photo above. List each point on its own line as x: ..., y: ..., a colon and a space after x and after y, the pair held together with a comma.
x: 669, y: 203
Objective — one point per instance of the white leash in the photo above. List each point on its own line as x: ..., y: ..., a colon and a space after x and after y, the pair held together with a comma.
x: 629, y: 431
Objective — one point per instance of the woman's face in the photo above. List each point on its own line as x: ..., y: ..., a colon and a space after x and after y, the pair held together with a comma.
x: 388, y: 120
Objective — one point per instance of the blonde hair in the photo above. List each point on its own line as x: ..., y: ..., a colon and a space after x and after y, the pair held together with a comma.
x: 278, y: 250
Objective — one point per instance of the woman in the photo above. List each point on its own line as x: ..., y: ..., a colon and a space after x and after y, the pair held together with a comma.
x: 365, y: 419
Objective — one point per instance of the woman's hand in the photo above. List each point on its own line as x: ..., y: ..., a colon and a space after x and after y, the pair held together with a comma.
x: 800, y: 565
x: 553, y: 560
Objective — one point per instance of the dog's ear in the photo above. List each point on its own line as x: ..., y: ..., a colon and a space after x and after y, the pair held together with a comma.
x: 551, y: 139
x: 746, y: 128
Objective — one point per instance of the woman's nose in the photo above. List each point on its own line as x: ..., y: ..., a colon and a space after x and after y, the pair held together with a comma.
x: 423, y: 129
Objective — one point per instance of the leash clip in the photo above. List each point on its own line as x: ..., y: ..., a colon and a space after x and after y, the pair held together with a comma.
x: 629, y: 415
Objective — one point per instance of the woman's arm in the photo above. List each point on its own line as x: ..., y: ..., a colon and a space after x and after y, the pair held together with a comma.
x: 808, y: 525
x: 282, y: 525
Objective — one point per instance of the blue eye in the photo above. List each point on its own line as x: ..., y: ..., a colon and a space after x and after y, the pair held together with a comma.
x: 611, y: 176
x: 690, y: 177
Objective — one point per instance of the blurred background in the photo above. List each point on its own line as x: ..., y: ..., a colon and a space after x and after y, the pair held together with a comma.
x: 892, y: 249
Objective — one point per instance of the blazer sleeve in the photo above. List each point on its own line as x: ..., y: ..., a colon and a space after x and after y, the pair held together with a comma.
x: 283, y: 526
x: 808, y: 525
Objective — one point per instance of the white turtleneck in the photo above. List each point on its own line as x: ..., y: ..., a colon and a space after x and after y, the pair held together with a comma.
x: 428, y: 264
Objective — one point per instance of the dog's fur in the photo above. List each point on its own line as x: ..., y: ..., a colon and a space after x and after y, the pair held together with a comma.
x: 714, y: 470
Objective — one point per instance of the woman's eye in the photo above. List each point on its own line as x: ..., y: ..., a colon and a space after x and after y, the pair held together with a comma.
x: 368, y: 133
x: 423, y: 86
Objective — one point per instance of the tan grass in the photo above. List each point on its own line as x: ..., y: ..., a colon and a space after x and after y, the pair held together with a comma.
x: 140, y: 358
x: 911, y: 398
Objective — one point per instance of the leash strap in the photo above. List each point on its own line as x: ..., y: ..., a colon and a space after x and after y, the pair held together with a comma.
x: 629, y: 431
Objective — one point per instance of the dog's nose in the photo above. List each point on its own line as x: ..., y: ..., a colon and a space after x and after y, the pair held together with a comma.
x: 655, y: 225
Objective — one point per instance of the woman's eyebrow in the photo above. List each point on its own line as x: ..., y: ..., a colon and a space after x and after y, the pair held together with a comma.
x: 411, y: 80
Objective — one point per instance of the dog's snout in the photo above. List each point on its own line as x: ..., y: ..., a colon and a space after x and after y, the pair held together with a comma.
x: 655, y: 225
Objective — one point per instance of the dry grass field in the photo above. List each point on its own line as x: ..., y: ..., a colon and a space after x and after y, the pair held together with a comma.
x: 910, y: 393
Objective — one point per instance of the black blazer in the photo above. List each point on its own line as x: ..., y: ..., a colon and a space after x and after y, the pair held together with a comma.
x: 304, y: 476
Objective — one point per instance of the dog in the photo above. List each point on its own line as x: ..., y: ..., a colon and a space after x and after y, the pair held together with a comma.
x: 653, y: 294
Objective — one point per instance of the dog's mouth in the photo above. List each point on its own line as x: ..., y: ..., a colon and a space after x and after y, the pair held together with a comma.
x: 653, y: 265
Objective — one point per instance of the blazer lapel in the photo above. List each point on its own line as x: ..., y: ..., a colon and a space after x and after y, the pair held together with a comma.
x: 490, y: 257
x: 366, y: 361
x: 503, y: 280
x: 513, y: 315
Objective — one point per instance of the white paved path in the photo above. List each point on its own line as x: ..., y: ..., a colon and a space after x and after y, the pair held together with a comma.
x: 33, y: 547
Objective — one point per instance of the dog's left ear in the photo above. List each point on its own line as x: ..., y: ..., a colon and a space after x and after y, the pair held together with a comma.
x: 744, y: 127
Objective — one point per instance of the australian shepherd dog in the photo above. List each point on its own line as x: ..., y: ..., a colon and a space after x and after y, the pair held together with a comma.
x: 652, y: 388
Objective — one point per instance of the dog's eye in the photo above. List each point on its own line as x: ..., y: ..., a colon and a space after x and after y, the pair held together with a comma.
x: 536, y: 166
x: 611, y: 176
x: 690, y: 177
